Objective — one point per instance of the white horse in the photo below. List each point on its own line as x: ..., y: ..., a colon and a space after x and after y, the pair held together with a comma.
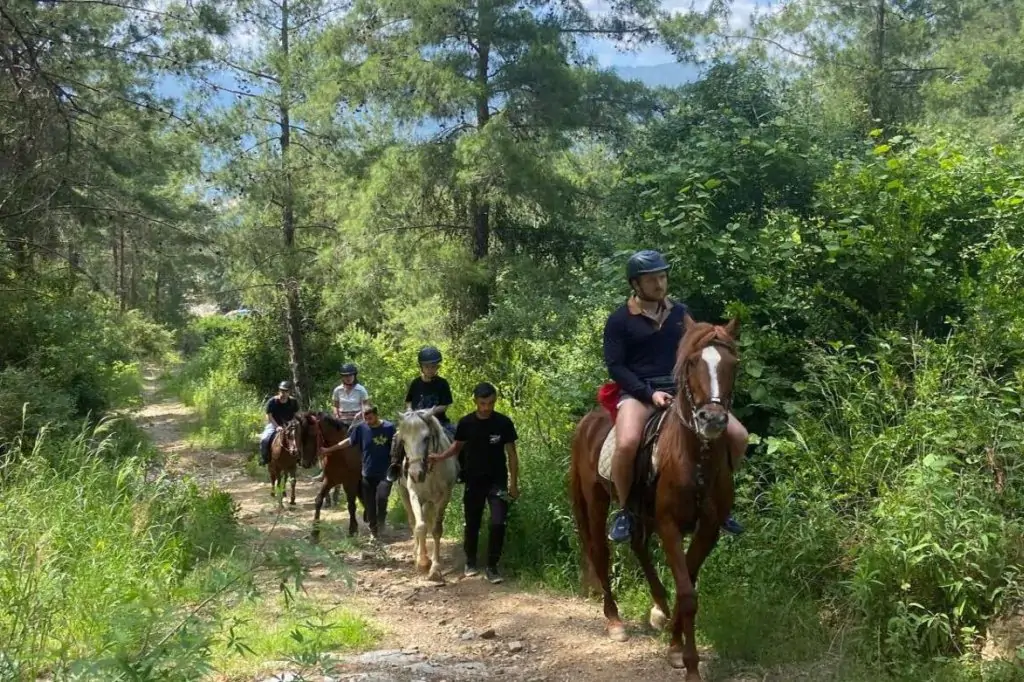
x: 425, y: 487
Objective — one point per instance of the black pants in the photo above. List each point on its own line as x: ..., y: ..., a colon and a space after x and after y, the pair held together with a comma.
x: 374, y: 493
x: 477, y: 495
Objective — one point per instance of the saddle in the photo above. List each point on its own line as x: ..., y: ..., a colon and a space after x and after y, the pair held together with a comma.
x: 646, y: 463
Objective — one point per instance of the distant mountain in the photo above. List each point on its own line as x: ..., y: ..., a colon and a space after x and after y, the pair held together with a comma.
x: 672, y: 74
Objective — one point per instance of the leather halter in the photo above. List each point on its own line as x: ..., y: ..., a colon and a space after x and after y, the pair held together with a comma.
x: 691, y: 424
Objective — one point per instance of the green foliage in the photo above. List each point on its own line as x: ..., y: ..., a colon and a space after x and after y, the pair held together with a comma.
x: 94, y: 555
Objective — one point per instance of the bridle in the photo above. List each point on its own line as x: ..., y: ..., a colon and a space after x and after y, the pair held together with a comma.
x: 691, y: 424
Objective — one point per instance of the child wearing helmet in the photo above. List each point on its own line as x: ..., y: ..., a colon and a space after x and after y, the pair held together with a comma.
x: 430, y: 392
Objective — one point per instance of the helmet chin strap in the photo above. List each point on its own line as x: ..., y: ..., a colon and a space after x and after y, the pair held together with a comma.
x: 638, y: 291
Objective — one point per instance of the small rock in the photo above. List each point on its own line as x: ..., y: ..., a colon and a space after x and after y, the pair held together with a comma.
x: 489, y: 633
x: 467, y: 636
x: 515, y: 647
x: 282, y: 677
x: 444, y: 621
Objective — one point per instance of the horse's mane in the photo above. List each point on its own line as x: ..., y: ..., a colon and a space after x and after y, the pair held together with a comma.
x: 699, y: 336
x: 438, y: 438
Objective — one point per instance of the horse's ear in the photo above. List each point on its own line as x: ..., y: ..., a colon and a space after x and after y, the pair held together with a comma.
x: 733, y: 328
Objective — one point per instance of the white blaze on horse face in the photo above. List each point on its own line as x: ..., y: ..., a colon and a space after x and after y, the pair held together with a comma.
x: 711, y: 358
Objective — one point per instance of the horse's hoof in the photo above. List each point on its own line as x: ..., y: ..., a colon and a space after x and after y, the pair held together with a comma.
x: 658, y: 618
x: 694, y: 677
x: 617, y: 632
x: 292, y: 503
x: 675, y: 659
x: 422, y: 566
x: 435, y: 575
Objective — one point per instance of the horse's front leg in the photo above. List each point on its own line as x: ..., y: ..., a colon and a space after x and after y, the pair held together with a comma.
x: 660, y: 610
x: 419, y: 532
x: 438, y: 529
x: 681, y: 654
x: 320, y: 497
x: 351, y: 495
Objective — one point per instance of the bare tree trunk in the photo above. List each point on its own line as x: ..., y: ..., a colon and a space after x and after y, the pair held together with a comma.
x: 480, y: 208
x: 877, y: 86
x: 293, y: 301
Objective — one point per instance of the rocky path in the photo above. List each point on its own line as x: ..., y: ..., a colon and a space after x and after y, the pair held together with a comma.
x: 465, y: 629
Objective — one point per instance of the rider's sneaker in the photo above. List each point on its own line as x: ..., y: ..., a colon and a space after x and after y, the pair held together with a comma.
x: 731, y: 525
x: 622, y: 527
x: 493, y: 577
x: 470, y: 571
x: 394, y: 471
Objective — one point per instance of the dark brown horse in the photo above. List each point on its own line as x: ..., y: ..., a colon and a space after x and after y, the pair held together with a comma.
x: 343, y: 467
x: 285, y: 454
x: 692, y: 492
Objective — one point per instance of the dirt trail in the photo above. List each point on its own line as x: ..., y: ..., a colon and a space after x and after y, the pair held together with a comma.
x: 431, y: 632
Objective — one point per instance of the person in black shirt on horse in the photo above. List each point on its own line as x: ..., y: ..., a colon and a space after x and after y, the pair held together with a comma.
x: 280, y: 410
x: 490, y: 464
x: 428, y: 391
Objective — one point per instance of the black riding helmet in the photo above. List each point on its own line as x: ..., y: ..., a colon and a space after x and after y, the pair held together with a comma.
x: 644, y: 263
x: 284, y: 386
x: 349, y: 368
x: 429, y: 355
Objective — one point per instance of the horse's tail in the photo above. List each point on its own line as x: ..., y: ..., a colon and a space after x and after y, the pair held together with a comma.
x: 579, y: 462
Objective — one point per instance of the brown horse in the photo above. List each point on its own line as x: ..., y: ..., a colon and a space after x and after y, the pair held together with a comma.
x: 285, y: 453
x: 343, y: 467
x: 691, y: 493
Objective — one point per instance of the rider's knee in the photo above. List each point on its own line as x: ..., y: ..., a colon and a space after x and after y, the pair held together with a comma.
x: 627, y: 443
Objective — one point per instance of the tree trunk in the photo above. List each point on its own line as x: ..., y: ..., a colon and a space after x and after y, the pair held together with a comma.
x: 293, y: 301
x: 480, y: 208
x: 877, y: 86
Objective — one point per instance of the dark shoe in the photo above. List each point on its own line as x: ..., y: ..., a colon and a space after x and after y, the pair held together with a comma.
x: 493, y: 577
x: 732, y: 526
x: 622, y: 527
x: 394, y: 473
x: 470, y: 571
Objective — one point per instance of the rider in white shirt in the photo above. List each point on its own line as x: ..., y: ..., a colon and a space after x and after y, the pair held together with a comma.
x: 349, y: 398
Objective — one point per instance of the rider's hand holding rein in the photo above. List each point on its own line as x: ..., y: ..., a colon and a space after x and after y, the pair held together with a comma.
x: 661, y: 399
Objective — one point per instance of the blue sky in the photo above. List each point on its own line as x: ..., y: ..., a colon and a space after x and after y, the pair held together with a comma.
x: 637, y: 63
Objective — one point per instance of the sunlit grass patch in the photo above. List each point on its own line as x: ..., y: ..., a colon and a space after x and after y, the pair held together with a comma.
x: 301, y: 633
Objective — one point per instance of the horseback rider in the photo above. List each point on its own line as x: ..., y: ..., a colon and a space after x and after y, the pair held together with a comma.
x: 640, y: 343
x: 428, y: 391
x: 349, y: 398
x: 280, y: 410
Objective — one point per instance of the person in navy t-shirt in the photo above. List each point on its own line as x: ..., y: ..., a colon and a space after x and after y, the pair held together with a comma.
x: 373, y: 436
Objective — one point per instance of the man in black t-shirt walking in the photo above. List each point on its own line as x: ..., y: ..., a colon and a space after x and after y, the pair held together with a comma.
x: 491, y: 472
x: 428, y: 391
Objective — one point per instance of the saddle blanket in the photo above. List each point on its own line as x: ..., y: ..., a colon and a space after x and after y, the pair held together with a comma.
x: 604, y: 461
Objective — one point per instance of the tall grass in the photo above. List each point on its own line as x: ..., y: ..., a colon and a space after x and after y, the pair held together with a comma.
x: 94, y: 553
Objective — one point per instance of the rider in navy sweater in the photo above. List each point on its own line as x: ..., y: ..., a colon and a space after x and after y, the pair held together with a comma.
x: 640, y: 342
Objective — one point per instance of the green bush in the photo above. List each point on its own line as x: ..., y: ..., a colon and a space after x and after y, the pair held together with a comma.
x: 902, y: 466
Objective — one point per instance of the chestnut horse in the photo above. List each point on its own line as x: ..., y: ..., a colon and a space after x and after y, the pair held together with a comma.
x: 692, y: 492
x: 342, y: 467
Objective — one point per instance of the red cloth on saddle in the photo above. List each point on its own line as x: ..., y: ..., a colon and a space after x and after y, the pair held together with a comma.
x: 608, y: 398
